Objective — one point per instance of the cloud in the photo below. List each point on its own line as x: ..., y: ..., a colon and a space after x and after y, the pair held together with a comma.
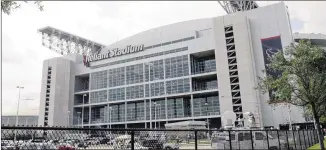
x: 104, y: 22
x: 23, y: 54
x: 310, y: 13
x: 306, y: 16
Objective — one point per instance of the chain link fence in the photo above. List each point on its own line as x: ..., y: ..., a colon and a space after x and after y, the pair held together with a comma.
x: 46, y: 138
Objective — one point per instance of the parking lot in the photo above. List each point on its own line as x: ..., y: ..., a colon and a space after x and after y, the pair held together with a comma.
x: 77, y: 138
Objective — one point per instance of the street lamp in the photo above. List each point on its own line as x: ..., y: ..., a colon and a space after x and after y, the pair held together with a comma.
x: 78, y: 115
x: 83, y: 110
x: 149, y: 70
x: 19, y: 89
x: 155, y: 113
x: 68, y: 118
x: 159, y: 115
x: 26, y: 123
x: 290, y: 120
x: 206, y: 104
x: 110, y: 111
x: 17, y: 113
x: 149, y: 86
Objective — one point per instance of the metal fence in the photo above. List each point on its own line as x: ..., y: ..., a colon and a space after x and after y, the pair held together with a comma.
x: 101, y: 138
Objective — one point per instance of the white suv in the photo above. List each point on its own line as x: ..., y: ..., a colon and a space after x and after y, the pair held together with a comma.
x: 243, y: 140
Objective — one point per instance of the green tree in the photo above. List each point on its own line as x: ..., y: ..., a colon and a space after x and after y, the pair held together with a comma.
x: 308, y: 113
x: 8, y: 6
x: 323, y: 119
x: 301, y: 80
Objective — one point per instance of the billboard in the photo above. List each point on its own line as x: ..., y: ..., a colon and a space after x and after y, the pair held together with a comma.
x: 270, y: 46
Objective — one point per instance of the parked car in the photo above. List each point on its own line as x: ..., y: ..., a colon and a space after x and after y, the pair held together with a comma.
x: 244, y: 140
x: 92, y: 141
x: 104, y: 140
x: 170, y: 146
x: 37, y: 144
x: 152, y: 144
x: 78, y: 143
x: 156, y: 144
x: 124, y: 142
x: 7, y: 146
x: 137, y: 146
x: 111, y: 142
x: 66, y: 147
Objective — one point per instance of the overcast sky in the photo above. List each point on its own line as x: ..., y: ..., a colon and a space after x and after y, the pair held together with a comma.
x: 104, y: 22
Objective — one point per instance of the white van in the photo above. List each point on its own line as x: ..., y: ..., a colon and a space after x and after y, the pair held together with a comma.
x: 242, y: 140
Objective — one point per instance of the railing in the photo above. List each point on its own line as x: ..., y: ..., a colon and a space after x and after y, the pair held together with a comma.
x: 102, y: 138
x: 204, y: 67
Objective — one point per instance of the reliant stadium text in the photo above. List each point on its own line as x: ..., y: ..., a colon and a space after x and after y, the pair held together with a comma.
x: 115, y: 52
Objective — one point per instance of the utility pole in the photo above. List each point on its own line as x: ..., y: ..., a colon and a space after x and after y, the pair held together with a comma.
x: 17, y: 114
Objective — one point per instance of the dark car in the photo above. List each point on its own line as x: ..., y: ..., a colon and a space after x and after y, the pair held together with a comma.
x: 152, y: 144
x: 104, y: 140
x: 7, y: 146
x: 80, y: 143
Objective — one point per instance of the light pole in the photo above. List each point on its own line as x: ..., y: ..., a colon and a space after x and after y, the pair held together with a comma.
x: 206, y: 104
x: 155, y: 113
x: 207, y: 115
x: 149, y: 86
x: 110, y: 111
x: 68, y: 118
x: 290, y: 120
x: 17, y: 113
x: 19, y: 89
x: 149, y: 70
x: 159, y: 117
x: 83, y: 110
x: 26, y: 123
x: 78, y: 114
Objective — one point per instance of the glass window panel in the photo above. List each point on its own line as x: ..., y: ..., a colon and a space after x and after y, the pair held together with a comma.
x: 178, y: 86
x: 176, y: 66
x: 157, y: 89
x: 99, y: 80
x: 135, y: 92
x: 135, y: 74
x: 98, y: 96
x: 117, y: 94
x: 117, y: 77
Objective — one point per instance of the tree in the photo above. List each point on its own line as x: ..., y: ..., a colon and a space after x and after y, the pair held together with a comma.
x: 301, y: 79
x: 308, y: 114
x: 323, y: 119
x: 8, y: 6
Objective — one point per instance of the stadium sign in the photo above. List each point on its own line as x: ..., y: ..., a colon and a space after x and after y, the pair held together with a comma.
x: 112, y: 53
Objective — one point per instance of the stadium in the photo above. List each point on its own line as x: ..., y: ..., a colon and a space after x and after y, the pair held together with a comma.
x: 188, y: 71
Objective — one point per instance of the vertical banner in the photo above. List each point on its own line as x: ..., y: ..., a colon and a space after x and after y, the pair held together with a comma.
x: 87, y: 64
x: 271, y: 46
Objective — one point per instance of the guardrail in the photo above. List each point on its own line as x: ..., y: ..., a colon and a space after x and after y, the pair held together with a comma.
x: 64, y: 138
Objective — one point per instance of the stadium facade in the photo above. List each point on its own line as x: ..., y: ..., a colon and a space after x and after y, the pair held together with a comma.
x: 193, y: 70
